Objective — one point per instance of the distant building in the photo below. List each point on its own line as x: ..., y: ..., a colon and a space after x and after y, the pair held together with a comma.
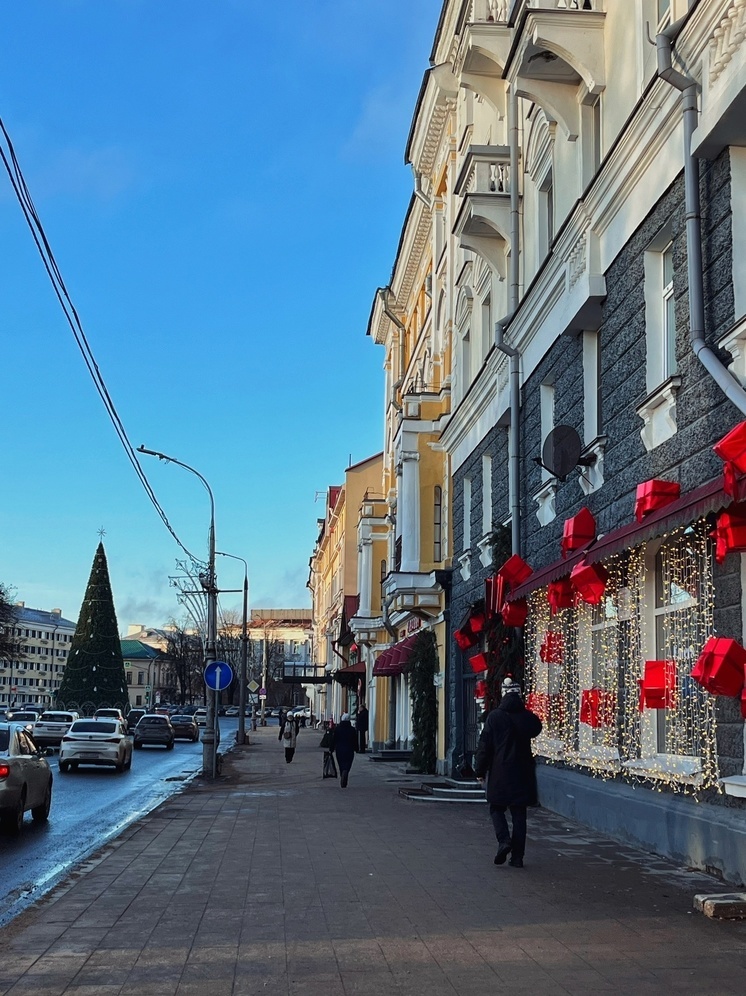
x: 42, y: 643
x: 146, y: 668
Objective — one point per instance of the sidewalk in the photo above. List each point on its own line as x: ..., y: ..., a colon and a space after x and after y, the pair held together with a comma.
x: 275, y: 881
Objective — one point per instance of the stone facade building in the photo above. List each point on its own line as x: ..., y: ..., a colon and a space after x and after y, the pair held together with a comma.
x: 565, y: 323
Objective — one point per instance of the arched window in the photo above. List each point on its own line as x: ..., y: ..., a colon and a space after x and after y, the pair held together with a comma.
x: 438, y: 524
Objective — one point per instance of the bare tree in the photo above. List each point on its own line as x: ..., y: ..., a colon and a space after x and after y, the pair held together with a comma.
x: 8, y: 643
x: 184, y: 648
x: 264, y: 632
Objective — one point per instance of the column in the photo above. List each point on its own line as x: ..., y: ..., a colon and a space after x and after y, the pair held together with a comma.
x: 409, y: 511
x: 365, y: 567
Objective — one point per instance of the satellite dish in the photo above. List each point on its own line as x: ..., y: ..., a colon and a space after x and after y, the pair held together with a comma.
x: 561, y: 451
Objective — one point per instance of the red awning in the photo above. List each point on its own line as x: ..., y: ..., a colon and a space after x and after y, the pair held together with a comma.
x: 682, y: 512
x: 351, y: 674
x: 394, y: 660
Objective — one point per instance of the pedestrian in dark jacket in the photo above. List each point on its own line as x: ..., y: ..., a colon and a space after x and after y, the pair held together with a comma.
x: 504, y: 757
x: 288, y: 735
x: 345, y: 742
x: 361, y: 725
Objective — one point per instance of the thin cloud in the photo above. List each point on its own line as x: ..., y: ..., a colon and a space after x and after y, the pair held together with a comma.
x: 382, y: 127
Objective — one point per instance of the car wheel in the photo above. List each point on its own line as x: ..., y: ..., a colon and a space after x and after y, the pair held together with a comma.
x: 64, y: 767
x: 74, y: 765
x: 12, y: 819
x: 40, y: 814
x: 119, y: 767
x: 170, y: 746
x: 138, y: 746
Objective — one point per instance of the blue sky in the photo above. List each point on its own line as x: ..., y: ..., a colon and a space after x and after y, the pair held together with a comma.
x: 223, y: 185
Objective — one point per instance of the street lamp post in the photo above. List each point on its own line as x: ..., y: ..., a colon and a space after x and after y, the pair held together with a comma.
x: 209, y: 584
x: 241, y: 734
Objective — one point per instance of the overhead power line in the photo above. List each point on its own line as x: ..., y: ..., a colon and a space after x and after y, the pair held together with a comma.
x: 23, y: 195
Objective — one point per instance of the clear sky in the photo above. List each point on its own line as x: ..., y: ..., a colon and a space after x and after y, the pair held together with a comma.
x: 223, y: 185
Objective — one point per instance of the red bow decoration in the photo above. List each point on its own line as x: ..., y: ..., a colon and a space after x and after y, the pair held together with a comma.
x: 464, y: 638
x: 597, y: 707
x: 578, y: 531
x: 730, y: 531
x: 480, y: 690
x: 560, y: 594
x: 515, y: 613
x: 494, y: 595
x: 589, y: 580
x: 515, y: 570
x: 655, y: 494
x: 732, y: 451
x: 721, y: 667
x: 658, y: 685
x: 552, y: 650
x: 478, y: 663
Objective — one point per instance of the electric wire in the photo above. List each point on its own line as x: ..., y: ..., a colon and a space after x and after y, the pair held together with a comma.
x: 23, y: 195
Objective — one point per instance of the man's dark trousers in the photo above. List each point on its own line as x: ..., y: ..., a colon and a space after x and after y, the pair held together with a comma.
x: 362, y: 738
x: 518, y: 839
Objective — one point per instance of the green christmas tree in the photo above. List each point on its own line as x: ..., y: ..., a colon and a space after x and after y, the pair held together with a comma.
x: 94, y: 673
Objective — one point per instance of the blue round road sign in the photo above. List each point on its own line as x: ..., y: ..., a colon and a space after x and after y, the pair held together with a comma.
x: 218, y: 675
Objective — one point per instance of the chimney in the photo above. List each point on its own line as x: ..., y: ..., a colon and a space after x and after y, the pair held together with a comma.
x: 134, y: 628
x: 57, y: 612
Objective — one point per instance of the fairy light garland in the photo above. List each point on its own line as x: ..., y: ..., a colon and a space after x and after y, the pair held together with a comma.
x: 645, y: 614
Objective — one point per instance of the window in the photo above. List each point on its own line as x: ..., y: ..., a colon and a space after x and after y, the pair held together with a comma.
x: 129, y: 677
x: 546, y: 215
x: 668, y: 316
x: 465, y: 362
x: 664, y: 12
x: 437, y: 524
x: 466, y: 540
x: 486, y: 495
x: 383, y: 571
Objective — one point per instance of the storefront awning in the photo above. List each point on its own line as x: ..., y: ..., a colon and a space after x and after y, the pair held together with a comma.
x: 682, y: 512
x: 350, y: 675
x: 394, y: 660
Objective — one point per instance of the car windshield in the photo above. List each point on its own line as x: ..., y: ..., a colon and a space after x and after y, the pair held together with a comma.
x: 152, y: 721
x: 55, y: 717
x: 182, y: 719
x: 93, y: 726
x: 24, y: 717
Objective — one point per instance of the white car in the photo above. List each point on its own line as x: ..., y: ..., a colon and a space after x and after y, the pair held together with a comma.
x: 96, y: 741
x: 25, y: 778
x: 50, y: 728
x: 200, y: 716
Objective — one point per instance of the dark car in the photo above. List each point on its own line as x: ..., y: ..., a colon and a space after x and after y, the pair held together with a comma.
x: 133, y: 718
x: 185, y: 728
x: 154, y: 730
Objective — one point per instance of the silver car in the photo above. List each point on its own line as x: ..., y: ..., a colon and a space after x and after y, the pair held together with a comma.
x: 25, y: 778
x: 96, y: 741
x: 50, y: 728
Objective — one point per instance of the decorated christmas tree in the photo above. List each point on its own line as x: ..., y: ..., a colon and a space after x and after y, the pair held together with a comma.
x: 94, y: 674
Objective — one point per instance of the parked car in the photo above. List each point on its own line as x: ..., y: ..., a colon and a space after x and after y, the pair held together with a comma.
x: 162, y: 710
x: 133, y: 718
x: 185, y: 728
x: 25, y: 778
x: 50, y: 728
x: 106, y: 713
x: 200, y: 716
x: 187, y: 710
x: 232, y: 711
x: 99, y: 741
x: 153, y: 729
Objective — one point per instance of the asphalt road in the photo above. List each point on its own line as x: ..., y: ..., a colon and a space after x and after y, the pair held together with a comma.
x: 89, y: 807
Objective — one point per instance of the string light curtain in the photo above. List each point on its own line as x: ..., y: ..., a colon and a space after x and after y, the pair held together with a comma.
x: 657, y: 605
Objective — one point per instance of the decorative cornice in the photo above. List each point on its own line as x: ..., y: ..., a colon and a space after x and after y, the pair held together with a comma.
x: 727, y: 38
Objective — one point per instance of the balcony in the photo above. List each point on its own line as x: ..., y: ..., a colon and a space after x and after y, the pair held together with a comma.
x: 483, y: 222
x: 413, y: 594
x: 723, y: 118
x: 483, y: 52
x: 559, y: 59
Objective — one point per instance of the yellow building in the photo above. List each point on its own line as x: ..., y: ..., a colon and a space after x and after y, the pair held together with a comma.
x: 334, y: 585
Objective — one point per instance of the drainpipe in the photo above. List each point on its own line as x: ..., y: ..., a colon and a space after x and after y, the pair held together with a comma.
x: 386, y: 621
x: 419, y: 193
x: 688, y: 87
x: 385, y: 292
x: 510, y: 351
x: 515, y: 405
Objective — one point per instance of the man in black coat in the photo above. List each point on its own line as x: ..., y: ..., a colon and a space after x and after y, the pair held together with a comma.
x: 361, y: 725
x: 345, y: 742
x: 505, y: 753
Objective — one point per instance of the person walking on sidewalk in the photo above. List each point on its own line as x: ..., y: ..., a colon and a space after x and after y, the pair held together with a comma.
x: 288, y: 734
x: 505, y: 759
x: 345, y: 742
x: 361, y: 725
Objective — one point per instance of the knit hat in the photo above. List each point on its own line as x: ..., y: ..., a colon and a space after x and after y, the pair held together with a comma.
x: 510, y: 685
